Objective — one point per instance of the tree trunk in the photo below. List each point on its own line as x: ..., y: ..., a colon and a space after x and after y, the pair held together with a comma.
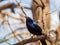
x: 40, y: 15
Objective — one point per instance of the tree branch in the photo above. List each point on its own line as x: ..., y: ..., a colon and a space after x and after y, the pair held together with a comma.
x: 30, y: 40
x: 8, y: 5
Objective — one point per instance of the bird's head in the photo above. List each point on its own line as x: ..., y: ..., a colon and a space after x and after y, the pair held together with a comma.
x: 28, y: 19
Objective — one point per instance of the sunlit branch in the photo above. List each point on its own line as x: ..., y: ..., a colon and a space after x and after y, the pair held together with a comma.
x: 8, y: 14
x: 26, y: 41
x: 53, y: 11
x: 43, y: 6
x: 6, y: 38
x: 16, y: 32
x: 30, y: 40
x: 12, y: 31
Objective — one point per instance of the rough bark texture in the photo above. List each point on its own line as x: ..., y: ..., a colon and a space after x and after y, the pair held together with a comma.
x: 39, y: 14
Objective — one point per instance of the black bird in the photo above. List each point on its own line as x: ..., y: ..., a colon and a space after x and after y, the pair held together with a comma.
x: 34, y: 28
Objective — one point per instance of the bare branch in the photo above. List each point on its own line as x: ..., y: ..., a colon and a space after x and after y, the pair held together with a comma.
x: 7, y: 37
x: 30, y: 40
x: 12, y: 31
x: 8, y: 5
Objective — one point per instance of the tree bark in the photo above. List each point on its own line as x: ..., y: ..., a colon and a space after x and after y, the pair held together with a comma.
x: 40, y: 15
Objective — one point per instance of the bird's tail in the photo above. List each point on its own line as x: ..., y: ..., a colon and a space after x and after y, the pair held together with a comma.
x: 43, y: 42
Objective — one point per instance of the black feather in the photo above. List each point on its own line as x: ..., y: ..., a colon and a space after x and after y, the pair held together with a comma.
x: 43, y: 42
x: 34, y: 28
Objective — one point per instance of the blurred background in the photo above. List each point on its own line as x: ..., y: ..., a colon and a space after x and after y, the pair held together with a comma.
x: 19, y: 27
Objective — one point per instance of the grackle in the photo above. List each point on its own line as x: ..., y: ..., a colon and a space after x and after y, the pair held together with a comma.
x: 34, y: 29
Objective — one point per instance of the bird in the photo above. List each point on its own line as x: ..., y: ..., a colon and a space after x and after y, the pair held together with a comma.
x: 34, y: 29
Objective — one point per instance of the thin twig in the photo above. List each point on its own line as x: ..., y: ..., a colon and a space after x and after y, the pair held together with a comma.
x: 53, y: 11
x: 21, y: 8
x: 12, y: 31
x: 15, y: 33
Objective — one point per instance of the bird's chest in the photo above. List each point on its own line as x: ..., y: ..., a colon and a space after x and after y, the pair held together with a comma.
x: 31, y: 28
